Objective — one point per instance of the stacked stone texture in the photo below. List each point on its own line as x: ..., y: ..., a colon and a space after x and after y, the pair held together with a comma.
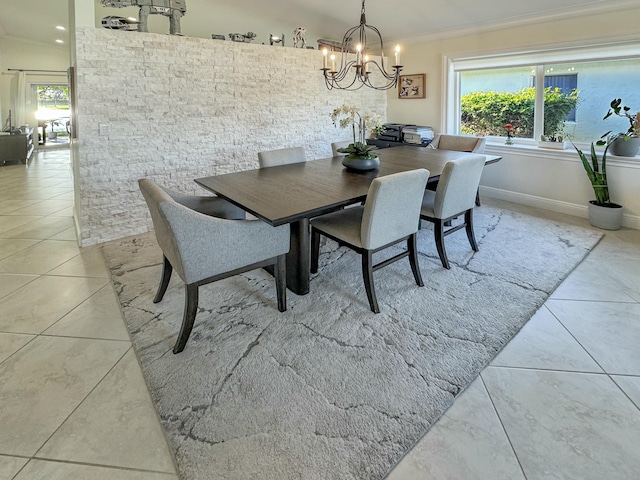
x: 177, y: 108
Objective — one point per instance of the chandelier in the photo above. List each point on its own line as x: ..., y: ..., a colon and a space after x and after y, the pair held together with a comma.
x: 357, y: 68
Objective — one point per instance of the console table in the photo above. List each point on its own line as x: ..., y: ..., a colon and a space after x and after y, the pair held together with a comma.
x: 16, y: 147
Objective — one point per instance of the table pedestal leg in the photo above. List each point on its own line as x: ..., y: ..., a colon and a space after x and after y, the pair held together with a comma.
x: 299, y: 258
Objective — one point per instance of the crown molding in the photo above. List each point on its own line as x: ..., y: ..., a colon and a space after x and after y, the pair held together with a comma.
x: 561, y: 13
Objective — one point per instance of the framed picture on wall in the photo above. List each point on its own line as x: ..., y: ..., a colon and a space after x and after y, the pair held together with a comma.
x: 412, y: 86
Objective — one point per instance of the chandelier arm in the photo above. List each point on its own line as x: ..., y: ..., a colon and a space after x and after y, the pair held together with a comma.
x: 354, y: 74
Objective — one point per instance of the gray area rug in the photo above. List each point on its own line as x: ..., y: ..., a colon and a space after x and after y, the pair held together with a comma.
x: 329, y: 390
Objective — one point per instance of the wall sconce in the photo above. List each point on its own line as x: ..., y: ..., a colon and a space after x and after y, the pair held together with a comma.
x: 274, y: 39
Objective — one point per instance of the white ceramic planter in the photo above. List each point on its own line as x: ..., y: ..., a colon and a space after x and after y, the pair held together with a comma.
x: 554, y: 145
x: 607, y: 218
x: 625, y: 148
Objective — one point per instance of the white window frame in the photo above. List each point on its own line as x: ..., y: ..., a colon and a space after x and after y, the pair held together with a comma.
x: 453, y: 64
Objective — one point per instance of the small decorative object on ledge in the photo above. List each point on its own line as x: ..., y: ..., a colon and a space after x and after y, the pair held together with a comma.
x: 114, y: 22
x: 298, y: 37
x: 174, y: 9
x: 359, y: 155
x: 555, y: 142
x: 216, y: 36
x: 353, y: 72
x: 242, y: 37
x: 510, y: 131
x: 274, y: 39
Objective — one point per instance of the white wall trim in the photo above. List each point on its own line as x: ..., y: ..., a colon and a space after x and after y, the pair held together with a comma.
x: 566, y: 155
x: 630, y: 221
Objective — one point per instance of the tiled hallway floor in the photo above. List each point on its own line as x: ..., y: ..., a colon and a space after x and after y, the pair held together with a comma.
x: 561, y: 400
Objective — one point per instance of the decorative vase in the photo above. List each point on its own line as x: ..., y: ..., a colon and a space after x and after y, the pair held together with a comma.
x: 607, y: 217
x: 508, y: 141
x: 361, y: 164
x: 625, y: 148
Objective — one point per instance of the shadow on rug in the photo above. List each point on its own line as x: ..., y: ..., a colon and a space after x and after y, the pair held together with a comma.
x: 327, y: 389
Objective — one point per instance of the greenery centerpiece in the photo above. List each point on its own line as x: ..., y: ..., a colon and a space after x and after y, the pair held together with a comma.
x: 624, y: 144
x: 361, y: 124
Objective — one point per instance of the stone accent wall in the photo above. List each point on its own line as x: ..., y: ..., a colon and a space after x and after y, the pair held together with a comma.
x: 177, y: 108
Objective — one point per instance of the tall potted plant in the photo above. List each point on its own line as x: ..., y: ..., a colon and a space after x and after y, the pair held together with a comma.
x: 624, y: 144
x: 359, y: 155
x: 602, y: 212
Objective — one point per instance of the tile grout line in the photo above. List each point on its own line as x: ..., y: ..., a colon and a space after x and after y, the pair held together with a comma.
x: 504, y: 429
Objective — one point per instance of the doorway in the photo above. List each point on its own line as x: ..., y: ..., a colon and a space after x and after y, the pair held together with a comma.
x: 53, y: 113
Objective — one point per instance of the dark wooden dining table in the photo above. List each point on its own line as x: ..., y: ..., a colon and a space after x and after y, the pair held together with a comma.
x: 297, y: 192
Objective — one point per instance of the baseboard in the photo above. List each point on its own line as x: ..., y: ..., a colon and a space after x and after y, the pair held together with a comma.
x: 629, y: 221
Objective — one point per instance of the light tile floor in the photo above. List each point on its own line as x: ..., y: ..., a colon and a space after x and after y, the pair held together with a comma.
x: 561, y: 401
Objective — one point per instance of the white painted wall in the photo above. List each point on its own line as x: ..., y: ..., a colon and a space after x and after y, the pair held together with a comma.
x: 555, y: 180
x: 16, y: 54
x: 177, y: 108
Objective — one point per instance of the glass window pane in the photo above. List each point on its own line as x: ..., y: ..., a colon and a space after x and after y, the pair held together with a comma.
x: 493, y: 98
x: 597, y: 84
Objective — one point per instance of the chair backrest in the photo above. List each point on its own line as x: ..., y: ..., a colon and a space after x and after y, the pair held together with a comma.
x: 458, y: 185
x: 392, y: 209
x: 460, y: 143
x: 282, y: 156
x: 155, y: 196
x: 336, y: 145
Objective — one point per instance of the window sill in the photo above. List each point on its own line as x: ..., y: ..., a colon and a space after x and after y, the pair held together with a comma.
x: 561, y: 154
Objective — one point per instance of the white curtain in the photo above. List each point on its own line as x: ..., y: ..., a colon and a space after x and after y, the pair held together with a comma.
x: 21, y: 101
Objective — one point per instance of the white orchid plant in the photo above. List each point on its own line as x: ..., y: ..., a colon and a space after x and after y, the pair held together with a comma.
x: 348, y: 115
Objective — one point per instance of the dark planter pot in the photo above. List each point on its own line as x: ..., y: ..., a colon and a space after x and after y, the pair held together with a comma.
x: 625, y: 148
x: 361, y: 164
x: 607, y: 217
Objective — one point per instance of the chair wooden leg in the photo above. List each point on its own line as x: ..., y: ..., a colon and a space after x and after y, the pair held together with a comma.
x: 190, y: 309
x: 315, y: 249
x: 468, y: 218
x: 478, y: 197
x: 281, y: 282
x: 413, y: 259
x: 438, y: 230
x: 164, y: 281
x: 367, y: 274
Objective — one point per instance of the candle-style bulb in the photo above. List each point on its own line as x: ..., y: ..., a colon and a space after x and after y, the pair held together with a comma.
x: 397, y: 54
x: 325, y: 52
x: 333, y: 63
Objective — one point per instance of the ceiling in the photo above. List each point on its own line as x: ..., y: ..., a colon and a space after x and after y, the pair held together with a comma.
x: 35, y: 20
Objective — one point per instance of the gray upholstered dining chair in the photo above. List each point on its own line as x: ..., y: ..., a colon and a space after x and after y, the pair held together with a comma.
x: 336, y: 145
x: 281, y: 156
x: 459, y: 143
x: 390, y: 216
x: 454, y: 196
x: 203, y: 248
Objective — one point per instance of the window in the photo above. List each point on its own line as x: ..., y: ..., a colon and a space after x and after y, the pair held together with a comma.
x: 555, y: 92
x: 53, y: 113
x: 565, y: 85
